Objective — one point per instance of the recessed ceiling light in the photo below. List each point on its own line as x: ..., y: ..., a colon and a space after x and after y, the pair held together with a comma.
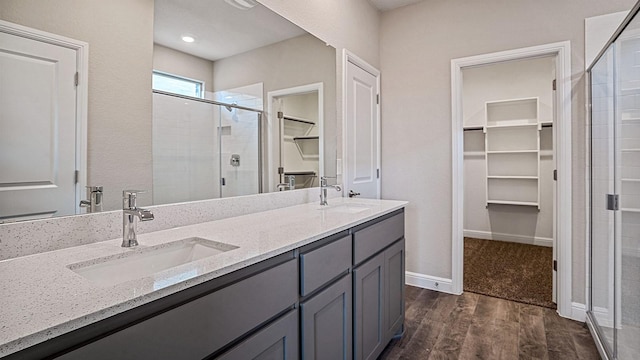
x: 188, y: 38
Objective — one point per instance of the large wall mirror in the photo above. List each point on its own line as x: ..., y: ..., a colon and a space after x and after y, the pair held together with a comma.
x: 185, y: 99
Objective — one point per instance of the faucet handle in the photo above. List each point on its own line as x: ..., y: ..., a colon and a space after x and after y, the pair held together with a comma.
x: 129, y: 198
x: 128, y: 193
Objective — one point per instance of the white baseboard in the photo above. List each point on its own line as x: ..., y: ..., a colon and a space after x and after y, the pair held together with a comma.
x: 578, y: 312
x: 488, y: 235
x: 429, y: 282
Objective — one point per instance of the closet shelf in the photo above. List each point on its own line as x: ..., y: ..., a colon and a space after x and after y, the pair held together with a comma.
x: 630, y: 150
x: 632, y: 210
x: 509, y: 177
x: 512, y: 125
x: 631, y: 180
x: 512, y: 147
x: 299, y: 120
x: 507, y: 202
x: 511, y: 151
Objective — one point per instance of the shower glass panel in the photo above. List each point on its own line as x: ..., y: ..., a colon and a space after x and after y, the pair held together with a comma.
x: 238, y: 133
x: 602, y: 183
x: 614, y: 302
x: 202, y: 150
x: 627, y: 130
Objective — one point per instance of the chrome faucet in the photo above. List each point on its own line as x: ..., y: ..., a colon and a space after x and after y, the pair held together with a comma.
x: 130, y: 215
x: 290, y: 185
x: 94, y: 199
x: 323, y: 189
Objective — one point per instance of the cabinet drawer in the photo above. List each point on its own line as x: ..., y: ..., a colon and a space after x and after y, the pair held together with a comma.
x: 319, y: 266
x: 200, y: 327
x: 372, y: 239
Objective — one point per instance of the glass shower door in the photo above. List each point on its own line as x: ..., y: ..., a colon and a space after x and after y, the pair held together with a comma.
x: 602, y: 304
x: 614, y: 307
x: 628, y: 183
x: 239, y: 141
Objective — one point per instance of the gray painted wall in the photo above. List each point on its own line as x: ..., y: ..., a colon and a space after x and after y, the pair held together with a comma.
x: 120, y: 37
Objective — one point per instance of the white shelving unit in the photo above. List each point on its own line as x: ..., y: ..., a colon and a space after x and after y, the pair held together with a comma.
x: 512, y: 150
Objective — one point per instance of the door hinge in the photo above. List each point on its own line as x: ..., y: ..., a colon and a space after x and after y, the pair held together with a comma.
x: 555, y: 265
x: 555, y: 175
x: 378, y: 173
x: 613, y: 202
x: 378, y: 99
x: 76, y: 79
x: 553, y: 84
x: 76, y: 177
x: 223, y: 182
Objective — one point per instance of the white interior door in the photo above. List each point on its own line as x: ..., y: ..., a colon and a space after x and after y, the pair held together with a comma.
x: 37, y: 129
x: 362, y: 174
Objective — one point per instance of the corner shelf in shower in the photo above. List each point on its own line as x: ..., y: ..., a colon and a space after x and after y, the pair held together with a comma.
x: 512, y: 150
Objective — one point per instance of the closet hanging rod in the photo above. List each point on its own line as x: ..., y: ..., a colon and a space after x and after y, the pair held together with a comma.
x: 299, y: 120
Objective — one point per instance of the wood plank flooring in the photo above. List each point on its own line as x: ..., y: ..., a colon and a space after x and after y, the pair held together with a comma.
x: 473, y: 326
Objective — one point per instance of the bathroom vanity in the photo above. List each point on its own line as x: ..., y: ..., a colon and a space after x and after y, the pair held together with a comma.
x: 298, y: 282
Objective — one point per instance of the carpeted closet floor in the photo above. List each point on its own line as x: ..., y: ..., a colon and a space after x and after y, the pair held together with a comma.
x: 511, y: 271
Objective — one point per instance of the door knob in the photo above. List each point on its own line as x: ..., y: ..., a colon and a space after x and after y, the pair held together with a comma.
x: 353, y: 193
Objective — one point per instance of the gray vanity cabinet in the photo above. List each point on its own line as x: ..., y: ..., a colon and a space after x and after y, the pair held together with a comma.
x: 340, y: 297
x: 278, y: 341
x: 378, y: 285
x: 394, y: 289
x: 325, y: 306
x: 326, y: 323
x: 201, y: 326
x: 368, y: 299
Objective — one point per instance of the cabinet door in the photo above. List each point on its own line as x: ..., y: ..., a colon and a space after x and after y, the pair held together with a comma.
x: 326, y: 323
x: 394, y: 289
x: 278, y: 341
x: 369, y: 334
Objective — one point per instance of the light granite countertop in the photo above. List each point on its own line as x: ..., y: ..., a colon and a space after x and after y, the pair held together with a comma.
x: 41, y: 298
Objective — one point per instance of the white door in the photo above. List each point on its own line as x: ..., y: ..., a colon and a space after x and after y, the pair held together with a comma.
x: 37, y: 129
x: 362, y: 174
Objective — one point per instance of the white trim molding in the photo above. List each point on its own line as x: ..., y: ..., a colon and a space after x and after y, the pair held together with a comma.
x: 428, y: 282
x: 521, y: 239
x: 562, y: 125
x: 82, y: 68
x: 349, y: 57
x: 578, y: 312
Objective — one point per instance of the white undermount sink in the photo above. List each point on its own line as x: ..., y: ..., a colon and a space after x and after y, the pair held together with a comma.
x: 345, y: 208
x: 145, y: 261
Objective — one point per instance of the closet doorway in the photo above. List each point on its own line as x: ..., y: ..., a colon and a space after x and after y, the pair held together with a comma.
x: 506, y: 130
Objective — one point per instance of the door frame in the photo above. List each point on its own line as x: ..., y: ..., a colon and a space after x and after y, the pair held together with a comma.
x: 562, y: 150
x: 272, y: 120
x: 82, y: 67
x: 349, y: 57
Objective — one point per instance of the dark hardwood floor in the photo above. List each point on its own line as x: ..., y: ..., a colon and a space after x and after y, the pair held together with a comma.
x: 473, y: 326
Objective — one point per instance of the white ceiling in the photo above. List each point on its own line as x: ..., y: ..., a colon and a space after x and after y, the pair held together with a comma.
x: 384, y: 5
x: 220, y: 29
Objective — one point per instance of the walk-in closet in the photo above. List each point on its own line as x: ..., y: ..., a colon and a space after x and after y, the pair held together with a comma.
x: 508, y: 117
